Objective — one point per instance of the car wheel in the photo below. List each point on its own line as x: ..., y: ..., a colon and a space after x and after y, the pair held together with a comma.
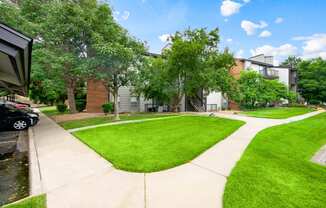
x: 20, y: 125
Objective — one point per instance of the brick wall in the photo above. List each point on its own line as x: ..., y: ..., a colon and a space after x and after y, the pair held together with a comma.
x: 235, y: 72
x: 97, y: 95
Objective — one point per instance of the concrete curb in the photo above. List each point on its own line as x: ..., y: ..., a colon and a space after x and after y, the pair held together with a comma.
x: 35, y: 178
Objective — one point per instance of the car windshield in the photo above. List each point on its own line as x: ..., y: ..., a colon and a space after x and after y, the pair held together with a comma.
x: 10, y: 108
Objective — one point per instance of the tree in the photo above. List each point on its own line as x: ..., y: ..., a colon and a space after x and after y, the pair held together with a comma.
x: 117, y: 55
x: 151, y: 81
x: 292, y: 61
x: 64, y: 32
x: 256, y: 91
x: 47, y: 85
x: 312, y: 80
x: 193, y: 63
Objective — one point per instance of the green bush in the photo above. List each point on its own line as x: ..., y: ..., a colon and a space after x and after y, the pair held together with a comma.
x: 80, y: 105
x: 314, y: 102
x: 108, y: 108
x: 296, y: 105
x: 62, y: 108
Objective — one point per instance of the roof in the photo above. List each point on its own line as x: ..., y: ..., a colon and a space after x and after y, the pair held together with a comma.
x: 255, y: 62
x: 15, y: 60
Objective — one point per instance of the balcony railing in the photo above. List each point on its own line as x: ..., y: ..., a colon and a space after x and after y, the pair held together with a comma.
x: 270, y: 73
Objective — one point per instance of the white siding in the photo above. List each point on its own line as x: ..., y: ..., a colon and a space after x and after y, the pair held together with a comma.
x: 255, y: 67
x: 283, y: 75
x: 124, y: 99
x: 214, y: 99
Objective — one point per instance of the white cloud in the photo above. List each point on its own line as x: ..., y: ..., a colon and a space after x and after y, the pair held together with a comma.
x: 279, y: 20
x: 125, y: 15
x: 251, y: 27
x: 239, y: 53
x: 229, y: 40
x: 313, y: 46
x: 246, y: 1
x: 165, y: 38
x: 229, y: 8
x: 265, y: 34
x: 281, y: 51
x: 121, y: 16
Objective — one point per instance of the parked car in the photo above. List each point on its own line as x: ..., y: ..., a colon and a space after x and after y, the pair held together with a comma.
x: 16, y: 119
x: 20, y: 105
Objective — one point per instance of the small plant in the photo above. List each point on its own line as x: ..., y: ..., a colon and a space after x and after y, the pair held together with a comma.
x: 107, y: 108
x: 62, y: 108
x: 80, y: 105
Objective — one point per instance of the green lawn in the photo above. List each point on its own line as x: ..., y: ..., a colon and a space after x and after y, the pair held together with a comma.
x: 278, y: 113
x: 157, y: 145
x: 108, y: 119
x: 276, y: 171
x: 51, y: 111
x: 31, y: 202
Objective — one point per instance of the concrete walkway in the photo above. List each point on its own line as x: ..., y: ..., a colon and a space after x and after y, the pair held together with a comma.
x: 73, y: 176
x: 121, y: 122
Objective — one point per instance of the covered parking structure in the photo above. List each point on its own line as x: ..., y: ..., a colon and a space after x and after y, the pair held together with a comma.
x: 15, y: 60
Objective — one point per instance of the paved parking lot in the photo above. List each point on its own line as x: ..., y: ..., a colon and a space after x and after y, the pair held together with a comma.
x: 8, y: 141
x: 13, y: 167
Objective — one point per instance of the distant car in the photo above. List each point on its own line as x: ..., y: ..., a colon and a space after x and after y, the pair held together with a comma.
x: 20, y: 105
x: 16, y: 119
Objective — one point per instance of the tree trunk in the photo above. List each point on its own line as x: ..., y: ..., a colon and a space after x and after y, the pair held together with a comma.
x: 116, y: 103
x: 175, y: 103
x: 71, y: 96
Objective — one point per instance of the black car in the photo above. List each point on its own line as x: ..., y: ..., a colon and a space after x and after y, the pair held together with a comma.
x: 17, y: 119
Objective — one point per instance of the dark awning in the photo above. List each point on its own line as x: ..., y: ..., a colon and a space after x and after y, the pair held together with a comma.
x: 15, y: 60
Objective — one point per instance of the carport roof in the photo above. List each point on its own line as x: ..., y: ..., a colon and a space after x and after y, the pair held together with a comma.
x: 15, y: 60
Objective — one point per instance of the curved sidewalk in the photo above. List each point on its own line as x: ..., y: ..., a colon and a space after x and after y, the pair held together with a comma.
x: 74, y: 176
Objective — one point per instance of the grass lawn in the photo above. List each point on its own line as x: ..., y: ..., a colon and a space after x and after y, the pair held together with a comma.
x: 278, y: 113
x: 276, y: 171
x: 51, y: 111
x: 31, y: 202
x: 157, y: 145
x: 108, y: 119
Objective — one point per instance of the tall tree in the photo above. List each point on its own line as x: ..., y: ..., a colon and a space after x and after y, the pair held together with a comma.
x: 152, y: 81
x: 312, y: 80
x: 256, y: 91
x: 192, y: 63
x: 292, y: 61
x: 117, y: 55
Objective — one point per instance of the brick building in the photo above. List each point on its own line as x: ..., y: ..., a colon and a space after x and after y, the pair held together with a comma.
x: 97, y: 93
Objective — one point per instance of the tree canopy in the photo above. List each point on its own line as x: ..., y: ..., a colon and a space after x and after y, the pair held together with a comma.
x: 192, y: 63
x: 256, y: 91
x: 71, y: 37
x: 312, y: 80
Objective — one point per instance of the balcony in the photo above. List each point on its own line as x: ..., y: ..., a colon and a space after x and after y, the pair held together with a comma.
x: 269, y: 73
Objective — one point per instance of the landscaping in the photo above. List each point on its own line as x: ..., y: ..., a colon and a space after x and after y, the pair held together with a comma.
x: 157, y: 145
x: 31, y: 202
x: 276, y: 169
x: 108, y: 119
x: 51, y: 111
x: 278, y: 113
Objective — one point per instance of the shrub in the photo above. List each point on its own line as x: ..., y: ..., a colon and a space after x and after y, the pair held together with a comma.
x: 62, y: 108
x: 314, y: 102
x: 80, y: 105
x: 296, y: 105
x: 107, y: 108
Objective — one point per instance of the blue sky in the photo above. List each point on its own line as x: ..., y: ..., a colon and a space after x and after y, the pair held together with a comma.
x: 247, y: 27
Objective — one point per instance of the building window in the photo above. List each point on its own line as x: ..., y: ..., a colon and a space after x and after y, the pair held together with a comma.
x: 211, y: 107
x: 134, y: 102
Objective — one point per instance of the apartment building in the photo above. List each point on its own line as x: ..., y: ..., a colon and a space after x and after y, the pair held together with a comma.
x: 213, y: 101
